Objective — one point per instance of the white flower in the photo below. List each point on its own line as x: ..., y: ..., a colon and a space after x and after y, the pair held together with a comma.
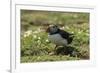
x: 63, y: 27
x: 39, y: 42
x: 37, y: 31
x: 34, y: 36
x: 72, y: 32
x: 39, y: 38
x: 47, y: 40
x: 27, y: 33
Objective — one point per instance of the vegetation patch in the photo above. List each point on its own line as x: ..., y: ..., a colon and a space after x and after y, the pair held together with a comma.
x: 35, y: 46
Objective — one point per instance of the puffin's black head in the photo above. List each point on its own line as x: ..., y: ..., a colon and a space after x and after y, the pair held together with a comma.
x: 52, y: 29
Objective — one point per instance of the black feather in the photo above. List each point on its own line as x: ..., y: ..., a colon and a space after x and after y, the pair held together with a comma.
x: 66, y: 35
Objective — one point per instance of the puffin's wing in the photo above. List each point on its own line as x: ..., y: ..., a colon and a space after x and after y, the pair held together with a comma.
x: 66, y: 35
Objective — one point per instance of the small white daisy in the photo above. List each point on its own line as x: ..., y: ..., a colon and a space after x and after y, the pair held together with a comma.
x: 34, y: 36
x: 47, y: 40
x: 39, y: 38
x: 27, y: 33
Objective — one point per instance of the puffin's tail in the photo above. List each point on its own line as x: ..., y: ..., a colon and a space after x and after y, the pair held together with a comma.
x: 70, y: 39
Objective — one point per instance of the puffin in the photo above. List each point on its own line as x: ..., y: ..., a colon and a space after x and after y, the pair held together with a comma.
x: 58, y: 36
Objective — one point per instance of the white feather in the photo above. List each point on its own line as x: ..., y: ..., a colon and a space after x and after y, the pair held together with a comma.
x: 57, y: 39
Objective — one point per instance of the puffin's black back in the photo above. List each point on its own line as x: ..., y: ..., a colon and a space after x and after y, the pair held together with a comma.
x: 66, y: 35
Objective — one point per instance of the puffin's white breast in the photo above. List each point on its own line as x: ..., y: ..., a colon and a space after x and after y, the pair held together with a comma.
x: 57, y: 39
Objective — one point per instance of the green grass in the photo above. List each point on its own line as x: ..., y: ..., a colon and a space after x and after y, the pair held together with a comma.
x: 35, y: 46
x: 46, y: 58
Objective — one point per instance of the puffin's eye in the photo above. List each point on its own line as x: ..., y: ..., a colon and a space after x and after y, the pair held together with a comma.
x: 54, y: 27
